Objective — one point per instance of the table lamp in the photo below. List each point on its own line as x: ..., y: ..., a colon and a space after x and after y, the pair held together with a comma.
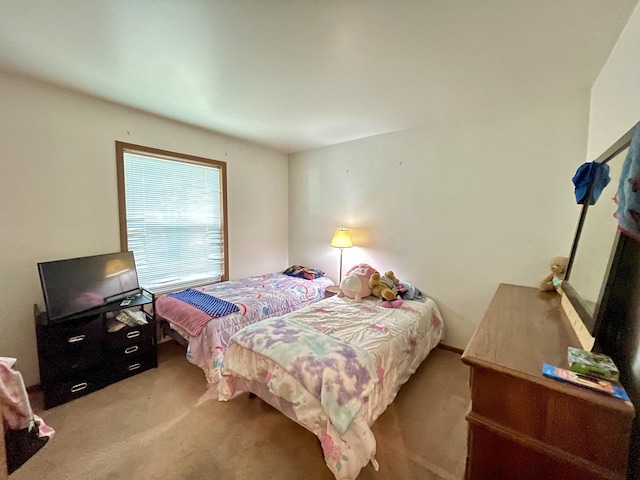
x: 341, y: 239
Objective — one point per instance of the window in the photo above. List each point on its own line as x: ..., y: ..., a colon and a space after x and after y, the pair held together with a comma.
x: 172, y: 216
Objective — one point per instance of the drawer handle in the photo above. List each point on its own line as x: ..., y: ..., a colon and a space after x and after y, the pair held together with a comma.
x: 134, y: 334
x: 131, y: 349
x: 78, y: 387
x: 133, y: 367
x: 76, y: 339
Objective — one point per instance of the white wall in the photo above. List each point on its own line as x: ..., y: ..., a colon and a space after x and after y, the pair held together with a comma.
x: 454, y: 209
x: 58, y: 194
x: 615, y: 96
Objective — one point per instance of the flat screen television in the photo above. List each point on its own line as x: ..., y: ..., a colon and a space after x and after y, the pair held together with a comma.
x: 77, y: 285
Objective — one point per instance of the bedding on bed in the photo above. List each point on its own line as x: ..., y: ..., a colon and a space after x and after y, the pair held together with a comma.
x: 396, y: 341
x: 213, y: 306
x: 257, y: 298
x: 340, y: 375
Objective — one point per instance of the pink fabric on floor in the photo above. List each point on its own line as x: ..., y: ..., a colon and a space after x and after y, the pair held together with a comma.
x: 14, y: 402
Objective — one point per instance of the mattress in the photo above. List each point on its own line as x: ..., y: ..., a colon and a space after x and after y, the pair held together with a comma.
x: 257, y: 298
x: 396, y: 340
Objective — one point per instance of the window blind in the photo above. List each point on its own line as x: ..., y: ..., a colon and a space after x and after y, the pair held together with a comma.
x: 174, y: 221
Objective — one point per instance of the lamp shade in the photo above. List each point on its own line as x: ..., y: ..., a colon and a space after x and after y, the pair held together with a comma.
x: 341, y: 238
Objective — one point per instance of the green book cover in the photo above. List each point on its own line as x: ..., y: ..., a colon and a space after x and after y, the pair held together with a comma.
x: 595, y: 365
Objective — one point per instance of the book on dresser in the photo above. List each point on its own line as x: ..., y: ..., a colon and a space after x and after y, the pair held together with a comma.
x: 585, y: 381
x: 596, y: 365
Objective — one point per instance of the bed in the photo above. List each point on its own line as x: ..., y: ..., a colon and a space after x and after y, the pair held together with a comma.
x: 256, y: 297
x: 333, y: 367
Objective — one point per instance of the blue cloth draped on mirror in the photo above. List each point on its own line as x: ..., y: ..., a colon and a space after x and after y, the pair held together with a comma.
x: 595, y: 172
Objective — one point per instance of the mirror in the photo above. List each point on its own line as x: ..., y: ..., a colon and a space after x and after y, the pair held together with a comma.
x: 595, y: 242
x: 591, y: 258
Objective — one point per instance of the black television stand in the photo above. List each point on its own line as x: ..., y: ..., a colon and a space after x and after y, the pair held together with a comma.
x: 87, y: 351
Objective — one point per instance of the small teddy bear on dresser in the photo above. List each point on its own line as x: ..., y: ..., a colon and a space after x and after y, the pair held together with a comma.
x: 552, y: 281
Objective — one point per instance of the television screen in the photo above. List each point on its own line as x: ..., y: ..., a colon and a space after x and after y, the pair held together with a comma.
x: 78, y: 284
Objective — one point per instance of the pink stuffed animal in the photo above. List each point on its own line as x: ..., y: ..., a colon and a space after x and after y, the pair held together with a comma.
x: 395, y: 303
x: 355, y: 284
x: 362, y: 269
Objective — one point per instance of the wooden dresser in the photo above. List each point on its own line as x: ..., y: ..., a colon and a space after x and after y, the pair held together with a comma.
x: 523, y: 425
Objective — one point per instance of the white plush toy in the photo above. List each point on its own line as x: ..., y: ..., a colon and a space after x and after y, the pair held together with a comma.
x: 356, y: 283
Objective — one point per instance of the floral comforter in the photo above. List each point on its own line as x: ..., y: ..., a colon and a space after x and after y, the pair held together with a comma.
x: 257, y: 297
x: 396, y: 341
x: 337, y: 373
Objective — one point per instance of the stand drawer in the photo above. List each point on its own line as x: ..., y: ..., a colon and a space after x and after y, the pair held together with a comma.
x: 130, y: 366
x: 83, y: 354
x: 123, y: 353
x: 70, y: 365
x: 128, y: 335
x: 71, y: 337
x: 65, y: 350
x: 75, y: 387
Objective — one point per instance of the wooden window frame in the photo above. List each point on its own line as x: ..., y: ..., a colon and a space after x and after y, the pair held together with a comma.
x: 122, y: 147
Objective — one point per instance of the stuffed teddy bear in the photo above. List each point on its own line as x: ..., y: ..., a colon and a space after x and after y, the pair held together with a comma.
x: 552, y: 281
x: 355, y: 284
x: 384, y: 286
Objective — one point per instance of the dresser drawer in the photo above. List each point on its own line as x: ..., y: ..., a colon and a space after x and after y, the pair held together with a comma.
x: 496, y: 455
x: 70, y: 336
x: 70, y: 364
x: 542, y: 413
x: 74, y: 387
x: 129, y: 335
x: 130, y: 366
x: 122, y: 353
x: 68, y: 349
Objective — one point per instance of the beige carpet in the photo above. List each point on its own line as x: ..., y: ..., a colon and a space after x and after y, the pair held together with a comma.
x: 149, y: 427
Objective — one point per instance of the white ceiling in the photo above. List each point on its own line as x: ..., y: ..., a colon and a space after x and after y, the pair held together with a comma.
x: 296, y: 75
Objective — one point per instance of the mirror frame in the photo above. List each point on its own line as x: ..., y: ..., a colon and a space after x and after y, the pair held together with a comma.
x: 593, y: 321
